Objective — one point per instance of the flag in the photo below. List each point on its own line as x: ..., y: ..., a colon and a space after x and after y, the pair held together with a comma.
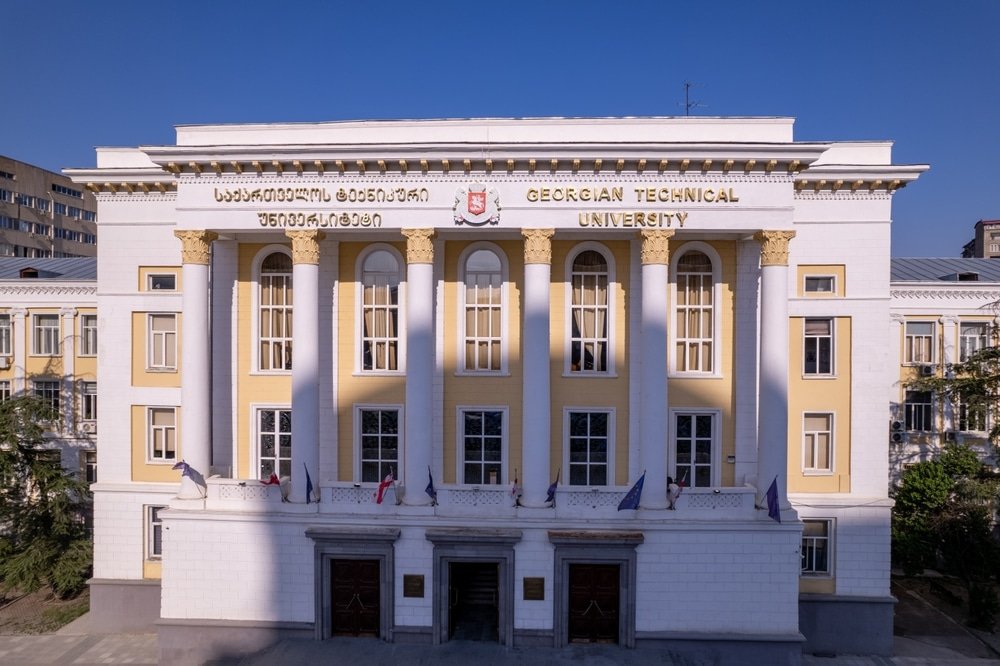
x: 773, y: 511
x: 515, y: 489
x: 185, y: 469
x: 551, y: 494
x: 309, y: 485
x: 631, y: 499
x: 273, y: 480
x: 384, y: 486
x: 430, y: 487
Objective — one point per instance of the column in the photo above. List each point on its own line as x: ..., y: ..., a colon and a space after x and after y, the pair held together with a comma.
x: 948, y: 335
x: 305, y: 363
x: 653, y: 400
x: 536, y: 432
x: 196, y: 390
x: 20, y: 341
x: 69, y: 367
x: 772, y: 438
x: 420, y: 360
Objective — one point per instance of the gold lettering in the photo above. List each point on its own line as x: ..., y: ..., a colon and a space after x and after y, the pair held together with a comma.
x: 532, y: 195
x: 681, y: 217
x: 732, y: 197
x: 709, y: 195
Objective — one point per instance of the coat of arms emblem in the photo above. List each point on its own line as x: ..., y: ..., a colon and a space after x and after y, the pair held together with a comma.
x: 477, y: 205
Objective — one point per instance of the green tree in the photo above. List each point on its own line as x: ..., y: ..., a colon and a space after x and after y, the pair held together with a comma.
x: 43, y: 539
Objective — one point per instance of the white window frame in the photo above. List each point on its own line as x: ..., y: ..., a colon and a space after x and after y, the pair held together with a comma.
x: 160, y: 341
x: 88, y: 401
x: 53, y: 399
x: 45, y: 340
x: 504, y: 299
x: 400, y: 444
x: 716, y: 260
x: 153, y: 525
x: 151, y: 278
x: 258, y: 262
x: 255, y: 453
x: 912, y: 406
x: 460, y: 412
x: 962, y: 417
x: 401, y: 304
x: 88, y: 335
x: 828, y: 538
x: 909, y: 340
x: 976, y: 342
x: 151, y: 456
x: 833, y: 347
x: 716, y: 464
x: 814, y: 292
x: 612, y: 430
x: 88, y: 466
x: 809, y: 444
x: 612, y: 301
x: 5, y: 390
x: 6, y: 334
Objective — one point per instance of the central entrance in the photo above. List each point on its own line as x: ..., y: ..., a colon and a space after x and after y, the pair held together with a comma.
x: 354, y: 596
x: 474, y: 601
x: 594, y: 593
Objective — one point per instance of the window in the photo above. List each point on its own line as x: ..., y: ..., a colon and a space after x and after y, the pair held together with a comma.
x: 589, y: 313
x: 88, y: 335
x: 483, y: 311
x: 161, y: 282
x: 274, y: 439
x: 88, y: 401
x: 919, y: 342
x: 589, y: 448
x: 918, y: 410
x: 817, y: 443
x: 695, y: 313
x: 6, y: 195
x: 45, y: 341
x: 275, y: 322
x: 482, y: 446
x: 48, y: 391
x: 379, y: 443
x: 816, y: 548
x: 6, y: 335
x: 162, y: 342
x: 380, y: 312
x: 820, y: 284
x: 694, y: 450
x: 973, y: 336
x: 59, y: 189
x: 5, y: 390
x: 162, y: 435
x: 818, y: 346
x: 972, y: 417
x: 58, y: 208
x: 88, y: 466
x: 154, y: 532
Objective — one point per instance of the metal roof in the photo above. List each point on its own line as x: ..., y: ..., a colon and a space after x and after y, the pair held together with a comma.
x: 945, y: 269
x: 70, y: 268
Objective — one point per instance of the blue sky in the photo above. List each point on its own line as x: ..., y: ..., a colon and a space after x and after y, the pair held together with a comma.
x: 923, y: 74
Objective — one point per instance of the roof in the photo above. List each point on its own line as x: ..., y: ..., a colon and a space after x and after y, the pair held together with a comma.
x: 70, y: 268
x: 946, y: 269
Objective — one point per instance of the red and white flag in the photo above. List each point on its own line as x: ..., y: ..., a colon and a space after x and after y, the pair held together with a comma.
x: 382, y: 487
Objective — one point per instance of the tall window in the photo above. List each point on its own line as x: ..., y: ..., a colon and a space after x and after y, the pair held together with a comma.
x: 695, y: 313
x: 88, y: 466
x: 694, y: 449
x: 4, y: 390
x: 973, y: 336
x: 818, y: 346
x: 589, y: 448
x: 918, y: 411
x: 162, y: 434
x: 817, y: 443
x: 88, y: 401
x: 816, y: 551
x: 275, y: 292
x: 48, y: 391
x: 162, y: 342
x: 483, y: 310
x: 919, y: 342
x: 88, y: 335
x: 380, y: 312
x: 972, y: 417
x: 45, y: 338
x: 589, y: 313
x: 6, y: 336
x: 482, y: 446
x: 274, y: 436
x: 379, y: 443
x: 154, y: 532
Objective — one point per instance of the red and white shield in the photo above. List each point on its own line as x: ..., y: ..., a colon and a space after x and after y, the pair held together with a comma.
x: 477, y: 203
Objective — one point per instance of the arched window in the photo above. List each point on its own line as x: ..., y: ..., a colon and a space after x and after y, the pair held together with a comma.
x: 695, y: 325
x: 380, y: 312
x: 275, y: 314
x: 589, y: 313
x: 483, y: 311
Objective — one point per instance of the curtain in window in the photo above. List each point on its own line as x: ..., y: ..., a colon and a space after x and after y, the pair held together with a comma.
x: 380, y: 311
x: 589, y: 341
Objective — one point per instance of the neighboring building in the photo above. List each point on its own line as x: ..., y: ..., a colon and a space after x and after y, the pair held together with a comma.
x: 48, y: 348
x: 43, y: 214
x: 496, y: 303
x: 986, y: 244
x: 942, y: 311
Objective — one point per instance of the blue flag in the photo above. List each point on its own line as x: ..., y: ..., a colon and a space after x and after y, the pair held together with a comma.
x: 631, y: 499
x: 430, y: 490
x: 773, y: 511
x: 309, y: 485
x: 551, y: 494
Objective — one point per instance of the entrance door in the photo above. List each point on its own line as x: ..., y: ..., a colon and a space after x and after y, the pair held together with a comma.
x: 593, y: 603
x: 354, y: 597
x: 473, y: 601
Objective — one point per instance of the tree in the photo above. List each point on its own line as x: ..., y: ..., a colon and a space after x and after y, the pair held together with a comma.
x: 43, y: 539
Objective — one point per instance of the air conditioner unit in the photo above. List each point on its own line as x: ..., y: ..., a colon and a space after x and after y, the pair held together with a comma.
x: 927, y: 370
x: 4, y: 362
x: 896, y: 426
x: 88, y: 427
x: 949, y: 436
x: 897, y: 437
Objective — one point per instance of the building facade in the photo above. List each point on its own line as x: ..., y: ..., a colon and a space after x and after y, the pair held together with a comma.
x: 43, y: 214
x: 498, y: 327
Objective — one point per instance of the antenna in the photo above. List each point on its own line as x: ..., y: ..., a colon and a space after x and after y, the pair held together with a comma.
x: 688, y: 102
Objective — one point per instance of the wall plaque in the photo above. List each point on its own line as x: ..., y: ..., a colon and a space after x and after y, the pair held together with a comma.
x: 413, y: 585
x: 534, y: 589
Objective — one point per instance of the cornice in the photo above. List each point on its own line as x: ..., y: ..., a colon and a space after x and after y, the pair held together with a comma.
x: 857, y: 179
x: 48, y: 289
x: 943, y: 293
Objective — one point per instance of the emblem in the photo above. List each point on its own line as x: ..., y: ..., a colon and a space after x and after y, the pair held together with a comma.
x: 477, y: 205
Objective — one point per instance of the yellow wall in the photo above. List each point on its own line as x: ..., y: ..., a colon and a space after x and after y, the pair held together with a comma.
x: 836, y: 270
x: 146, y: 271
x: 154, y: 472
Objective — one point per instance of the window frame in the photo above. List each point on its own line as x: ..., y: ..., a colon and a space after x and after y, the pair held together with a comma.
x: 359, y: 409
x: 256, y: 367
x: 460, y: 436
x: 256, y: 455
x: 716, y: 260
x: 983, y: 340
x: 910, y: 407
x: 88, y: 466
x: 55, y: 401
x: 610, y: 452
x: 151, y: 279
x: 716, y: 463
x: 359, y: 312
x: 611, y: 309
x: 813, y: 448
x: 88, y: 334
x: 49, y: 339
x: 828, y: 538
x: 153, y: 527
x: 151, y: 457
x: 88, y: 404
x: 6, y: 334
x: 831, y: 336
x: 504, y: 334
x: 832, y: 291
x: 152, y: 345
x: 909, y: 347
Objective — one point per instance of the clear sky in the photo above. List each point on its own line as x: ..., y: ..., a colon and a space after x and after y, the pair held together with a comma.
x: 926, y: 75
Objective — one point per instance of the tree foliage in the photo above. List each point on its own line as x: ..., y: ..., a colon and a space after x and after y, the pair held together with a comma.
x: 43, y: 539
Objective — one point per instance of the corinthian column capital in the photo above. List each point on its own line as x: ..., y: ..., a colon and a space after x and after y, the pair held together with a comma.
x: 196, y: 245
x: 537, y: 246
x: 419, y: 248
x: 774, y: 247
x: 305, y: 245
x: 656, y: 246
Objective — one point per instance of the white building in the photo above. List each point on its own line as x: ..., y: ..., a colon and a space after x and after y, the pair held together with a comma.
x: 491, y: 303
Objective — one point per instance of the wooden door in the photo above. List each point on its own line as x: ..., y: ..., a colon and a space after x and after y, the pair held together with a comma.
x: 355, y: 597
x: 594, y: 594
